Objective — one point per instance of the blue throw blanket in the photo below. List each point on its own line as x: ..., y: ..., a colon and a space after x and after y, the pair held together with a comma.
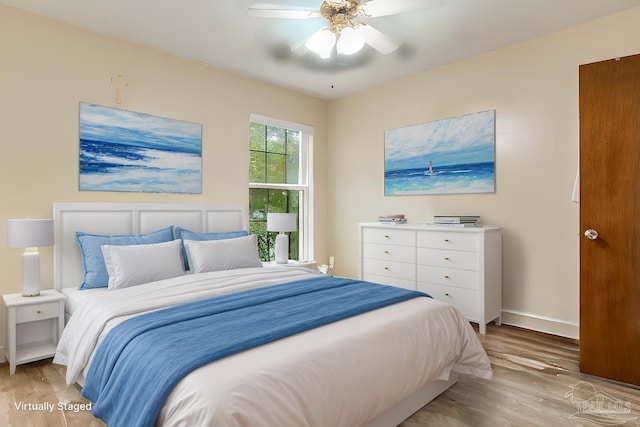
x: 141, y: 360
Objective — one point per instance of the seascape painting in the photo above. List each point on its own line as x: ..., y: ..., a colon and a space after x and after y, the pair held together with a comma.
x: 449, y: 156
x: 134, y: 152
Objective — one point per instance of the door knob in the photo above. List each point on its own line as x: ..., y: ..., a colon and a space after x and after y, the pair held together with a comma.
x: 591, y: 234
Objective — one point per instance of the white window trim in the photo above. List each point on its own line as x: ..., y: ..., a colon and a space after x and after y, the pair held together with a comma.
x: 281, y: 123
x: 306, y: 249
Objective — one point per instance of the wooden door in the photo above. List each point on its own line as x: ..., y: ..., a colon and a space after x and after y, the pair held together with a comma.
x: 610, y: 205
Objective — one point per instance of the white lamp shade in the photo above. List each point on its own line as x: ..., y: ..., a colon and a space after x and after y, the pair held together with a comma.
x: 29, y: 233
x: 282, y: 222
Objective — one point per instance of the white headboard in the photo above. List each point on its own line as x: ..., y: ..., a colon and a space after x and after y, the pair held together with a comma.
x: 129, y: 218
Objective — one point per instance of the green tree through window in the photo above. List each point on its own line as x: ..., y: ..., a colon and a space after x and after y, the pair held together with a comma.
x: 277, y: 183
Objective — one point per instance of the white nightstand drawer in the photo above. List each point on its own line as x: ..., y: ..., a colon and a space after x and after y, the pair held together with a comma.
x: 400, y: 270
x: 389, y: 252
x: 466, y: 301
x: 389, y: 236
x: 34, y: 312
x: 449, y: 259
x: 448, y: 277
x: 459, y: 241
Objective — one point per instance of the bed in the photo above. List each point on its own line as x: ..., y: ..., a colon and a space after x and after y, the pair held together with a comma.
x: 375, y: 368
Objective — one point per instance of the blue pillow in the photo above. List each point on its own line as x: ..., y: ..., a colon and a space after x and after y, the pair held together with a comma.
x: 95, y: 271
x: 184, y: 234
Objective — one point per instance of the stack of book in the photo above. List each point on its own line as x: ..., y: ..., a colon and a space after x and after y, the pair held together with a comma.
x: 457, y: 220
x: 392, y: 219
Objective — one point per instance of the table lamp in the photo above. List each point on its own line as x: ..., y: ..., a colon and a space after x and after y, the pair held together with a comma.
x: 282, y: 223
x: 29, y: 234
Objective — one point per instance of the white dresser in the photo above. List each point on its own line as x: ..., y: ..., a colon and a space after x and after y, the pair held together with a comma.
x: 461, y: 266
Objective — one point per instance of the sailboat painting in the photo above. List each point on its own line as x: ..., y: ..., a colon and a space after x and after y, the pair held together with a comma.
x: 448, y: 156
x: 135, y: 152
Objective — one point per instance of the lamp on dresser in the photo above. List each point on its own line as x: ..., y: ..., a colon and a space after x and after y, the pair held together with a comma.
x: 282, y: 223
x: 30, y: 234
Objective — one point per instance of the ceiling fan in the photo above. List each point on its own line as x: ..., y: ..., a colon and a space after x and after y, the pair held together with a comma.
x: 346, y: 30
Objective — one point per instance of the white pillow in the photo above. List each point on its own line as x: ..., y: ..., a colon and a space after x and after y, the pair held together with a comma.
x: 136, y: 264
x: 227, y: 254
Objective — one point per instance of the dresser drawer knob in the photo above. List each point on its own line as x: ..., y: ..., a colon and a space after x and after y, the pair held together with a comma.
x: 446, y: 276
x: 38, y: 312
x: 446, y: 294
x: 446, y: 258
x: 446, y: 240
x: 386, y: 236
x: 386, y: 268
x: 386, y: 252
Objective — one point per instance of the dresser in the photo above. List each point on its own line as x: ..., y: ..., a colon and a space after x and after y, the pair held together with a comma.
x: 460, y: 266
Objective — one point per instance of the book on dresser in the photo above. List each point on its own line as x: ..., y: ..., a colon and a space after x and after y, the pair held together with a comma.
x: 456, y: 219
x: 459, y: 221
x: 392, y: 219
x: 459, y: 225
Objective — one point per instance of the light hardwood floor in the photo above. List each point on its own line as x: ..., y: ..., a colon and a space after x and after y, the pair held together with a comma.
x: 536, y: 383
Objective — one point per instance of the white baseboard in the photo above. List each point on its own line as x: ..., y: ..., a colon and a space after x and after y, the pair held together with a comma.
x: 544, y: 324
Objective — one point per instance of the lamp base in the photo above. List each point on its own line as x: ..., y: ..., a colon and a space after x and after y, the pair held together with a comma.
x: 282, y: 248
x: 31, y: 274
x: 30, y: 294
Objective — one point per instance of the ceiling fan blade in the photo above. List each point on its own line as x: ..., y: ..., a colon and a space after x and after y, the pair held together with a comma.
x: 377, y: 39
x: 375, y: 8
x: 257, y: 11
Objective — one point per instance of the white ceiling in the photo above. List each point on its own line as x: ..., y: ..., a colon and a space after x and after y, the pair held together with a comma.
x: 219, y: 33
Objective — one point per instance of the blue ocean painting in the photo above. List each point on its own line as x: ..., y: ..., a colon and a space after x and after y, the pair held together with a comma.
x: 449, y: 156
x: 127, y: 151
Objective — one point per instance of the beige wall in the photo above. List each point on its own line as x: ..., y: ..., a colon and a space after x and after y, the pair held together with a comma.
x: 533, y: 87
x: 47, y: 68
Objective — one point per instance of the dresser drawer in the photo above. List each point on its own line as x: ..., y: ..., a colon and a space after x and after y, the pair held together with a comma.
x: 389, y: 252
x: 467, y: 302
x: 400, y: 270
x: 33, y: 312
x: 448, y: 277
x: 449, y: 259
x: 389, y: 236
x: 460, y: 241
x: 393, y: 281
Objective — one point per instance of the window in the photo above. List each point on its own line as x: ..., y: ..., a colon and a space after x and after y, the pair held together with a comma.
x: 279, y: 182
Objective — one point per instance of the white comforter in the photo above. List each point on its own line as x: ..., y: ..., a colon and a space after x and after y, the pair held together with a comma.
x: 343, y: 374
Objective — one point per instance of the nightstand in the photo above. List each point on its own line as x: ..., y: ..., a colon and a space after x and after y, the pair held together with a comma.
x: 292, y: 263
x: 33, y: 326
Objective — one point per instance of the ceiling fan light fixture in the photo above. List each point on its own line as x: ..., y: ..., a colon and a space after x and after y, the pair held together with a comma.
x: 346, y: 32
x: 350, y: 41
x: 322, y: 43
